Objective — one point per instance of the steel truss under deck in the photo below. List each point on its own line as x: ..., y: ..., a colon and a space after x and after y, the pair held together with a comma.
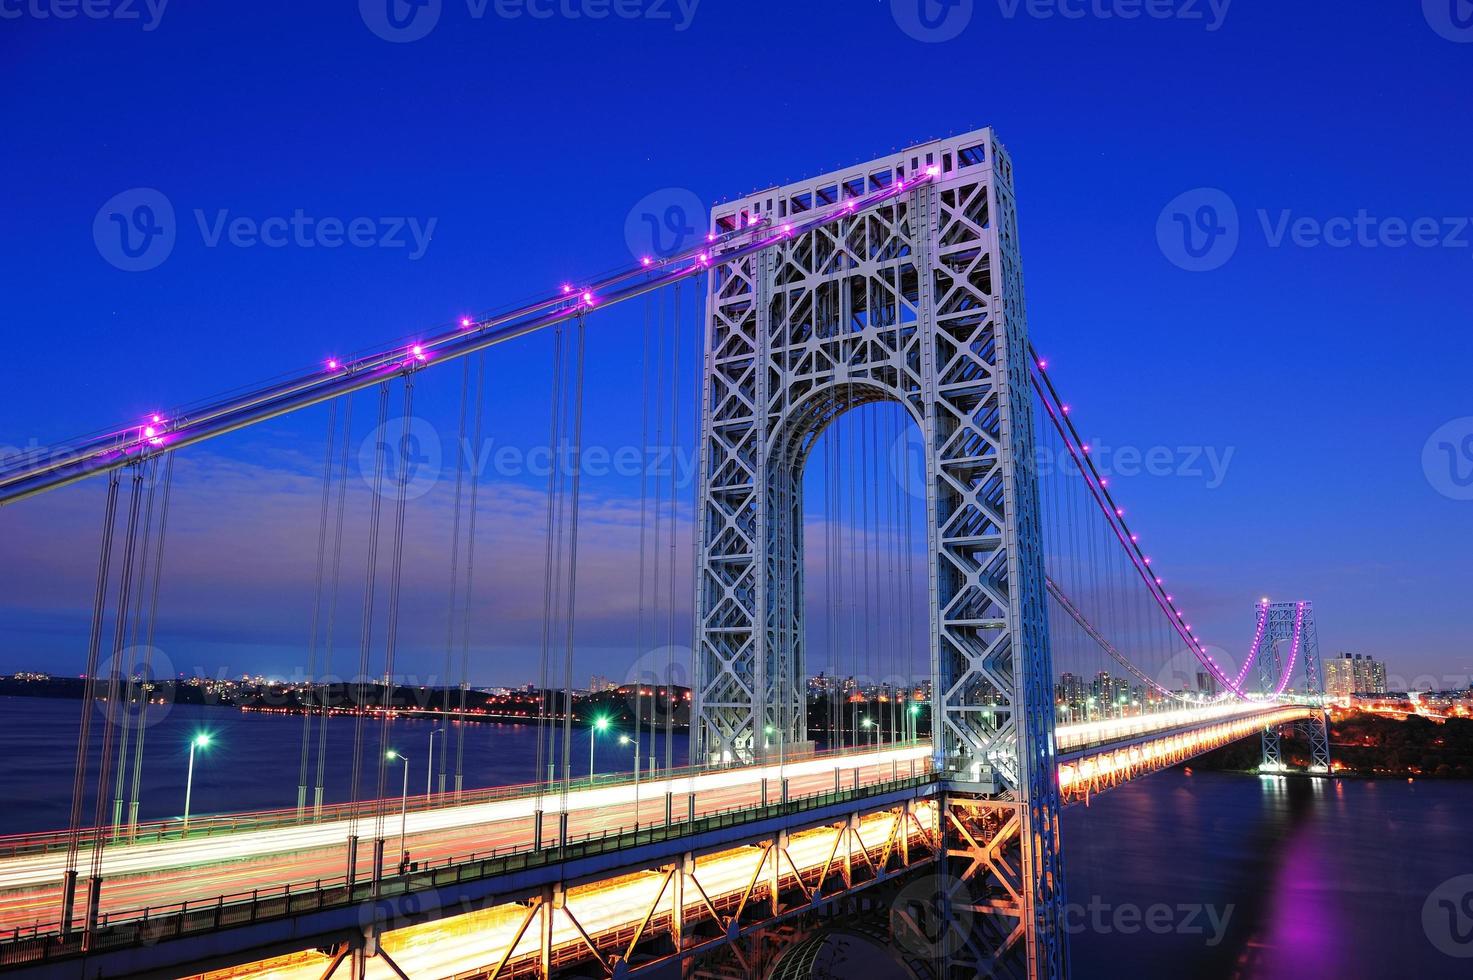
x: 919, y: 301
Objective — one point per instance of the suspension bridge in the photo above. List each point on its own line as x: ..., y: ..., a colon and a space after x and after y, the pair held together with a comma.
x: 989, y: 584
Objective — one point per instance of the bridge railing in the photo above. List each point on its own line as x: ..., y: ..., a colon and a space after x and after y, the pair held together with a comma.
x: 153, y: 924
x: 208, y: 825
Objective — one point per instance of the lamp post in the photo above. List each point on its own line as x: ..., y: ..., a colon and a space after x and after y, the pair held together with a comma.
x: 200, y: 741
x: 600, y: 724
x: 403, y: 803
x: 430, y: 769
x: 626, y: 740
x: 913, y: 713
x: 870, y: 724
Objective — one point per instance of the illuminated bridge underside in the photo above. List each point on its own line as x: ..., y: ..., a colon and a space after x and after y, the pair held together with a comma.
x: 604, y: 907
x: 1091, y: 769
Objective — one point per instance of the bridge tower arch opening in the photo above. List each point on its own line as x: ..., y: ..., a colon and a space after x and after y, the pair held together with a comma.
x: 918, y: 300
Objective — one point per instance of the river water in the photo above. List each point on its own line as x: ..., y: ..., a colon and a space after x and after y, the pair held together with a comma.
x: 1181, y: 875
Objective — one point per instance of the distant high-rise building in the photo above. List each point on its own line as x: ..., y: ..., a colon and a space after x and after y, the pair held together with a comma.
x: 1206, y: 684
x: 1353, y: 673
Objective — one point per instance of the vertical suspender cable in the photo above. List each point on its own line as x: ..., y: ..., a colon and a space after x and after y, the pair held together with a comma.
x: 84, y: 729
x: 674, y: 490
x: 120, y: 622
x: 576, y: 454
x: 365, y: 636
x: 461, y: 451
x: 470, y: 568
x: 125, y: 705
x: 311, y: 678
x: 332, y: 610
x: 552, y: 557
x: 391, y: 630
x: 648, y: 389
x: 661, y: 379
x: 152, y: 620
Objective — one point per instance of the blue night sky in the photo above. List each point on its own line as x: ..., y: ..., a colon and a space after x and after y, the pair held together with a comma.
x: 1296, y: 385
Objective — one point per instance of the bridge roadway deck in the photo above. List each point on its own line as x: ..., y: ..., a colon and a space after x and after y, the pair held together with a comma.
x: 169, y: 872
x: 230, y: 867
x: 158, y: 877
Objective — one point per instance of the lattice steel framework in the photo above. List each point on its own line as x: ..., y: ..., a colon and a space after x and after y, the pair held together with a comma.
x: 918, y: 301
x: 1293, y: 623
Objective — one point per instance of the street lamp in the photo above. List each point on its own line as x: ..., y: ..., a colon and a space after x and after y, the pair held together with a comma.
x: 430, y: 769
x: 626, y: 740
x: 869, y: 723
x: 200, y: 741
x: 915, y: 713
x: 600, y: 724
x: 394, y: 755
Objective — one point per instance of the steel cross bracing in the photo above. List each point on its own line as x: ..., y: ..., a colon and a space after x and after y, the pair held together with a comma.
x: 1293, y: 623
x: 917, y: 302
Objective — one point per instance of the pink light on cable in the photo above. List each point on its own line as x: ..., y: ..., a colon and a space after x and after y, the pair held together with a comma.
x: 645, y: 261
x: 588, y: 298
x: 465, y: 321
x: 933, y: 170
x: 332, y: 364
x: 567, y: 289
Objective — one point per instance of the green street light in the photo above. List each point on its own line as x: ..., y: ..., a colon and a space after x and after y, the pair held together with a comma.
x: 395, y: 755
x: 200, y: 741
x: 600, y: 724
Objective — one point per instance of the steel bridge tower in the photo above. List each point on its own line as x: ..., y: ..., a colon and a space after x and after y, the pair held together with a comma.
x: 917, y: 301
x: 1293, y: 623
